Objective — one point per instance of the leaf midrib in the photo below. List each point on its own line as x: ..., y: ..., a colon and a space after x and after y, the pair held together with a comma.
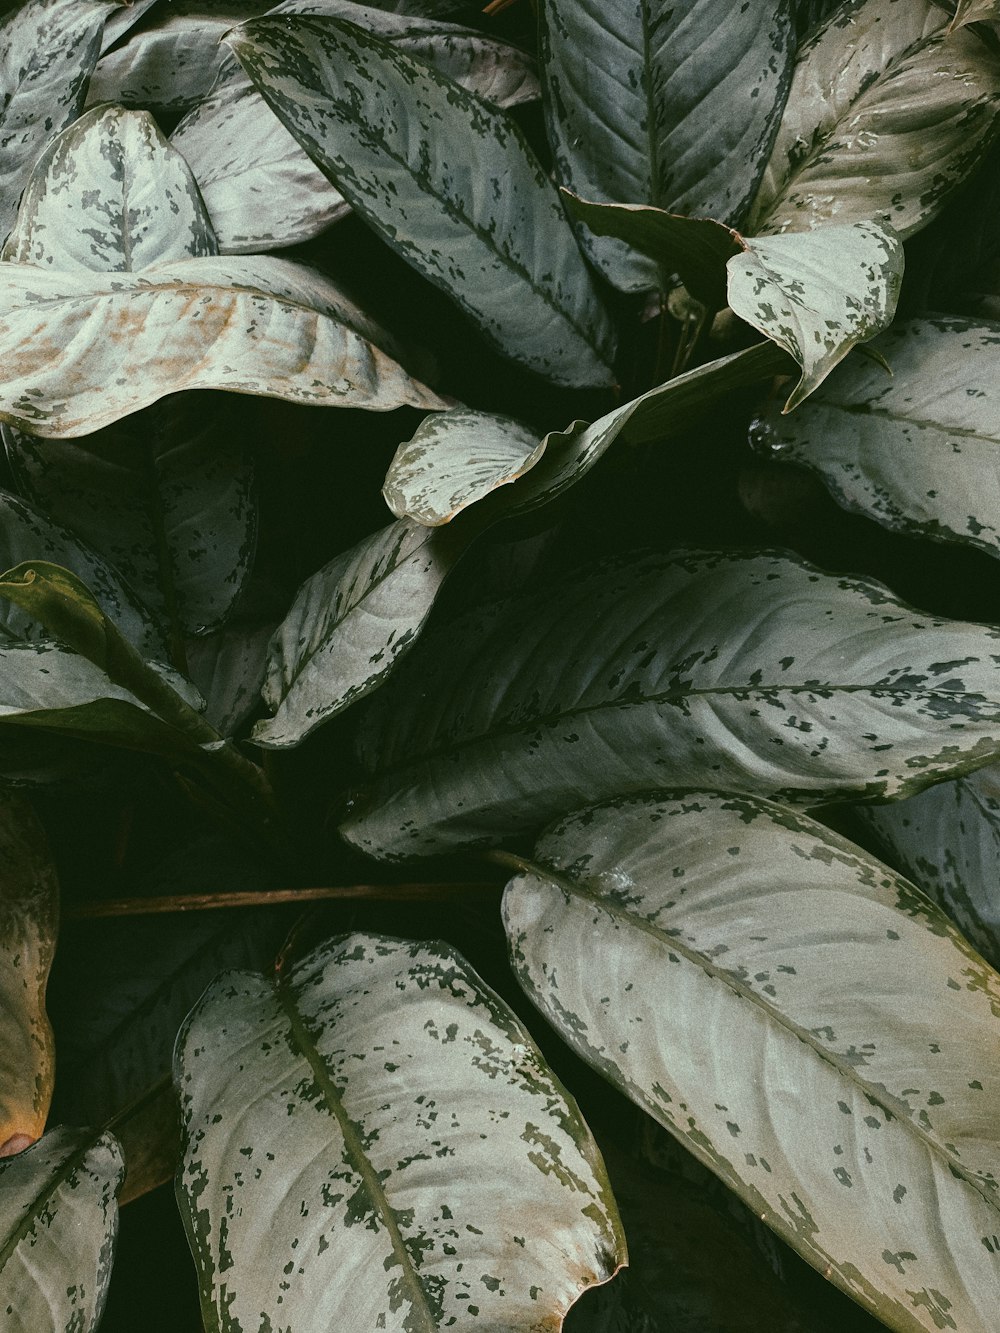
x: 922, y: 423
x: 62, y: 1176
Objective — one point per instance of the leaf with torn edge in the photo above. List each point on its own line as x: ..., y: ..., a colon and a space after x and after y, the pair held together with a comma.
x: 419, y: 1165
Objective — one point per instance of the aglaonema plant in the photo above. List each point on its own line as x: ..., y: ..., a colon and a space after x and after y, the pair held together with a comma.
x: 592, y: 773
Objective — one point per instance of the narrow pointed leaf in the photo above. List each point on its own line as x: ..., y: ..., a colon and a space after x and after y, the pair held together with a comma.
x: 663, y: 104
x: 916, y: 450
x: 418, y: 1164
x: 887, y: 114
x: 737, y: 672
x: 818, y: 294
x: 110, y: 195
x: 259, y: 326
x: 455, y: 459
x: 444, y: 178
x: 29, y: 919
x: 682, y: 946
x: 58, y: 1225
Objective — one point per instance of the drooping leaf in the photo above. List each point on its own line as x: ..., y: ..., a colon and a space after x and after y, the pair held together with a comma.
x: 455, y: 459
x: 739, y: 672
x: 58, y: 1224
x: 29, y: 919
x: 48, y: 49
x: 682, y: 945
x: 916, y: 450
x: 443, y: 177
x: 663, y: 104
x: 886, y: 115
x: 947, y: 840
x: 350, y: 624
x: 818, y: 294
x: 419, y: 1165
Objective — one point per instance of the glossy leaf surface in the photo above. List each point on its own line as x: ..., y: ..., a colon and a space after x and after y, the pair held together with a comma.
x: 682, y: 946
x: 738, y: 672
x: 418, y: 1164
x: 446, y: 179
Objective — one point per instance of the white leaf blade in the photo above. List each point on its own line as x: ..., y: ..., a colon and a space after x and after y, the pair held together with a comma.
x: 343, y: 1120
x: 707, y: 923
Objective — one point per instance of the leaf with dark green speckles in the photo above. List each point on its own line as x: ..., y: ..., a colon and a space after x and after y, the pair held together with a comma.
x: 418, y: 1165
x: 693, y: 949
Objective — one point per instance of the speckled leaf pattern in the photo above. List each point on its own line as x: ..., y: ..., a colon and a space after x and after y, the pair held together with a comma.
x: 651, y: 102
x: 742, y: 672
x: 350, y: 625
x: 58, y: 1225
x: 29, y: 920
x: 443, y: 177
x: 48, y: 49
x: 818, y: 294
x: 917, y: 450
x: 887, y: 114
x: 109, y: 195
x: 418, y: 1164
x: 453, y: 460
x: 947, y: 840
x: 165, y: 494
x: 682, y: 946
x: 122, y: 18
x: 249, y: 325
x: 229, y: 667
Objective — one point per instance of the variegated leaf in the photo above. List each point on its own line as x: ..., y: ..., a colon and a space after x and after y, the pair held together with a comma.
x: 887, y: 114
x: 48, y: 49
x: 109, y: 195
x: 443, y: 177
x: 682, y: 945
x: 258, y: 326
x: 818, y: 294
x: 350, y: 624
x: 122, y: 19
x: 229, y: 667
x: 663, y: 104
x: 453, y: 460
x: 947, y: 840
x: 975, y: 11
x: 58, y: 1225
x: 916, y: 450
x: 29, y: 920
x: 740, y: 672
x: 418, y: 1164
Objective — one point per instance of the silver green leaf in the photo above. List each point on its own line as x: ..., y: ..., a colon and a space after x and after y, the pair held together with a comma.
x: 58, y: 1225
x: 109, y: 195
x: 417, y: 1162
x: 657, y: 103
x: 740, y: 672
x: 682, y: 946
x: 974, y: 11
x: 350, y: 624
x: 122, y: 18
x: 229, y: 667
x: 917, y: 450
x: 443, y: 177
x: 887, y: 114
x: 818, y: 294
x: 454, y: 459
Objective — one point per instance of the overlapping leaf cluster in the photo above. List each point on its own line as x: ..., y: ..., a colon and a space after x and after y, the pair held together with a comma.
x: 536, y: 257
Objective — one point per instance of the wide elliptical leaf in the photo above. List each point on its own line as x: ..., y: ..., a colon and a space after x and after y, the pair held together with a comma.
x: 58, y: 1224
x: 418, y: 1164
x: 683, y: 944
x: 446, y: 179
x: 738, y: 672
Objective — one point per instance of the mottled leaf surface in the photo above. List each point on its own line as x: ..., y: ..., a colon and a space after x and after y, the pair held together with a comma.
x: 887, y: 114
x: 682, y: 945
x: 670, y: 105
x: 818, y: 294
x: 443, y: 177
x: 917, y: 450
x: 58, y: 1224
x: 453, y: 460
x: 229, y: 667
x: 29, y: 920
x: 350, y: 624
x: 418, y: 1164
x: 738, y: 672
